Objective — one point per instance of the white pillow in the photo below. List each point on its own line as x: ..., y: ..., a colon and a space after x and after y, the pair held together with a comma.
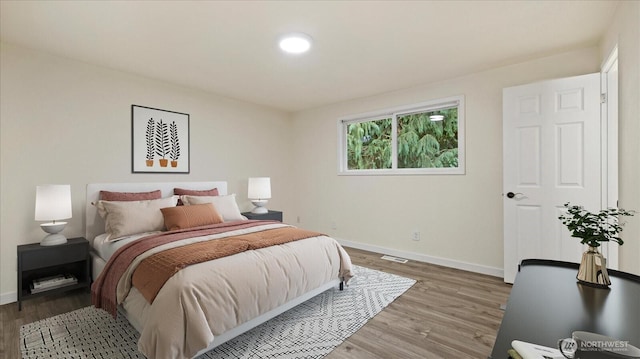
x: 123, y: 218
x: 225, y: 205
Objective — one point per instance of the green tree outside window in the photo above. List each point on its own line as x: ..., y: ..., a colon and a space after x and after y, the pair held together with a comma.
x: 421, y: 142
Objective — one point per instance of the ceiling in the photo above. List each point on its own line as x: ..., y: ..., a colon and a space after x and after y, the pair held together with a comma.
x: 361, y: 48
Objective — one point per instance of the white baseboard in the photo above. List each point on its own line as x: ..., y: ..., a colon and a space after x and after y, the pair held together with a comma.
x: 477, y: 268
x: 6, y: 298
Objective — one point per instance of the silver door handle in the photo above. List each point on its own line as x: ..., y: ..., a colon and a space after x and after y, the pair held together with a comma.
x: 512, y: 195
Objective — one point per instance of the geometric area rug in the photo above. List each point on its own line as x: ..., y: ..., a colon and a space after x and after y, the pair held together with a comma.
x: 310, y: 330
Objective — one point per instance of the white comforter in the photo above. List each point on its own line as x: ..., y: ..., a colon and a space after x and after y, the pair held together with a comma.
x: 207, y: 299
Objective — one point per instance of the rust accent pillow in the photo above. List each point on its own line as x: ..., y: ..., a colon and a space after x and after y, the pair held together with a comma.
x: 195, y: 192
x: 130, y: 196
x: 182, y: 217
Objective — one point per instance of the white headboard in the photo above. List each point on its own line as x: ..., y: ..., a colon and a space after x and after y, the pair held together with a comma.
x: 95, y: 224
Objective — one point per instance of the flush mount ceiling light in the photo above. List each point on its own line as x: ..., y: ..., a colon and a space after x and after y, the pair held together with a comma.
x: 295, y: 43
x: 435, y: 118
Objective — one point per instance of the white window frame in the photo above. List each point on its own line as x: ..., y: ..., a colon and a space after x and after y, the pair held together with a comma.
x: 393, y: 113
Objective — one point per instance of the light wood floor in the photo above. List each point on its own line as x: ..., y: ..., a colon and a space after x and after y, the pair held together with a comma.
x: 448, y: 313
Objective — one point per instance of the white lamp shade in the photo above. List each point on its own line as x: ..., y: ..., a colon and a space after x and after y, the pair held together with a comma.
x: 53, y: 202
x: 259, y: 188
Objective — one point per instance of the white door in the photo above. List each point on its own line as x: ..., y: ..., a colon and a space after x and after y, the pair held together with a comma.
x: 609, y: 120
x: 551, y: 155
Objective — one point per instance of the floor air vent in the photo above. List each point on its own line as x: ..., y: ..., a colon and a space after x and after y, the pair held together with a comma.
x: 394, y: 259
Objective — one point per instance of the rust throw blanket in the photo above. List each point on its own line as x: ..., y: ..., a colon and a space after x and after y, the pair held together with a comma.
x: 104, y: 289
x: 155, y: 270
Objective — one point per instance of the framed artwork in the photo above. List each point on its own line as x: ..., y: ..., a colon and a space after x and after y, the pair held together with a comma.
x: 159, y: 141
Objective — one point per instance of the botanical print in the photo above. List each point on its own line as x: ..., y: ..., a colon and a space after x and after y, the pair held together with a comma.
x: 158, y: 136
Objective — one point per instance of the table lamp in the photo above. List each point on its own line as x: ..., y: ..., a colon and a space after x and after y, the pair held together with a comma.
x: 259, y: 192
x: 53, y: 202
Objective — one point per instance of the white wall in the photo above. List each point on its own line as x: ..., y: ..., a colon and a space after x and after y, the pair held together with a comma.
x: 459, y: 216
x: 63, y: 121
x: 67, y: 122
x: 625, y: 32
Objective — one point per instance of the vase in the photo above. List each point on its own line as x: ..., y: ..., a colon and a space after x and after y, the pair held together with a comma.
x: 593, y: 269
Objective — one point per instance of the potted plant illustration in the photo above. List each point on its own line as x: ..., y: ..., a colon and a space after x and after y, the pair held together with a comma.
x: 150, y: 147
x: 174, y: 153
x: 162, y: 142
x: 593, y: 229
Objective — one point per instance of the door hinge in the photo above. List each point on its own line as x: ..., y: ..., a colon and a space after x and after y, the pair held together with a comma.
x: 603, y: 98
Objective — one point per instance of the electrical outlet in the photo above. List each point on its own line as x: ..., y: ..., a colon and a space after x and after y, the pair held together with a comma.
x: 334, y: 225
x: 415, y: 236
x: 298, y: 219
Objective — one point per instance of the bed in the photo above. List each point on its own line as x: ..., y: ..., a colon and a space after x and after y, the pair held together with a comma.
x: 205, y: 303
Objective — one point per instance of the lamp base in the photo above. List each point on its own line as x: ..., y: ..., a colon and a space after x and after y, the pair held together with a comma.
x: 259, y: 206
x: 53, y: 240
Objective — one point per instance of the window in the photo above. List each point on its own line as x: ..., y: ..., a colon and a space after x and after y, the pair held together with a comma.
x: 424, y: 138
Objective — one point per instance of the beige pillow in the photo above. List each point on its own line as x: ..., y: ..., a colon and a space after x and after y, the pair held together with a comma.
x: 225, y: 205
x: 123, y: 218
x: 196, y: 215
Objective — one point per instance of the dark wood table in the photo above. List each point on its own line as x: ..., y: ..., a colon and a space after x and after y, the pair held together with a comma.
x: 271, y: 215
x: 547, y: 304
x: 36, y: 261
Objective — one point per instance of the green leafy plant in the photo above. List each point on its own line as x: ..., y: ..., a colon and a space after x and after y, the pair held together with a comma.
x: 421, y: 143
x: 369, y: 144
x: 594, y: 228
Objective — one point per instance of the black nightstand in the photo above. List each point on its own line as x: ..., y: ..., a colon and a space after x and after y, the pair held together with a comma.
x: 272, y: 215
x: 36, y: 261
